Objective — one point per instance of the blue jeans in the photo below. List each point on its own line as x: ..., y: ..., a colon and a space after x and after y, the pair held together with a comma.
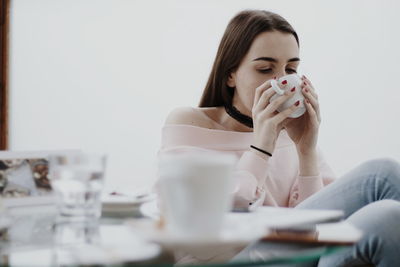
x: 369, y: 195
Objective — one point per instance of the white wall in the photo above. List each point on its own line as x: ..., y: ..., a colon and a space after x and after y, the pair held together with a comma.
x: 101, y: 75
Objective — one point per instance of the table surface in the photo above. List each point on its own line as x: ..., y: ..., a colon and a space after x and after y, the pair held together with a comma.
x: 35, y: 237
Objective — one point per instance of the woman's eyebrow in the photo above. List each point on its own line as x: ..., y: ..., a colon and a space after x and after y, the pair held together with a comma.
x: 294, y: 59
x: 275, y: 60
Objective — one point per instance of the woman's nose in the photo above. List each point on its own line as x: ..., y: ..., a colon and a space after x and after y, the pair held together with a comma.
x: 280, y: 74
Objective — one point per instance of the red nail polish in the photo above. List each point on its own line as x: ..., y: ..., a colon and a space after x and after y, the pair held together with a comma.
x: 304, y: 83
x: 275, y: 78
x: 297, y: 103
x: 284, y: 82
x: 293, y: 89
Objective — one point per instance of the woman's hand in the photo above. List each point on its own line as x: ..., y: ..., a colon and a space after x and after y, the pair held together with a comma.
x: 267, y: 122
x: 304, y: 130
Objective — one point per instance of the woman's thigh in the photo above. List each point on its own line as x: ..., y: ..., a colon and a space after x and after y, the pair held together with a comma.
x: 371, y: 181
x: 367, y: 183
x: 380, y: 244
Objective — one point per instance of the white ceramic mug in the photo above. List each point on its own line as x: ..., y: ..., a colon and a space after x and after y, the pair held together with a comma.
x: 196, y: 193
x: 292, y: 80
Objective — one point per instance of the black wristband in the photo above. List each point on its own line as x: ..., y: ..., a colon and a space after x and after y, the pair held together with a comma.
x: 261, y: 150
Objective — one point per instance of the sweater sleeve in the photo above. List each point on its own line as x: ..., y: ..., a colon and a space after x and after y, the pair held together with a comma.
x: 305, y: 186
x: 251, y: 176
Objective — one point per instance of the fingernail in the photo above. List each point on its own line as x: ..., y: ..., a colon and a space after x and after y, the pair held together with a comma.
x: 304, y: 83
x: 284, y: 82
x: 308, y: 101
x: 306, y: 90
x: 297, y: 103
x: 293, y: 89
x: 275, y: 78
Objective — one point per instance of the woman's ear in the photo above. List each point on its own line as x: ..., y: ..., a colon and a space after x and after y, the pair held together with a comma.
x: 231, y: 80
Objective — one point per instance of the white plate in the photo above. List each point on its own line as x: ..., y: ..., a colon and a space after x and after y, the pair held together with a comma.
x: 150, y: 209
x: 124, y: 204
x: 126, y: 200
x: 279, y: 217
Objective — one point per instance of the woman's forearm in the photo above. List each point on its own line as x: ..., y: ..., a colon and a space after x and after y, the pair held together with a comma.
x: 308, y: 164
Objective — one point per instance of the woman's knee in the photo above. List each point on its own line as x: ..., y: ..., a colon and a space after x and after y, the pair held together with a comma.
x: 381, y: 170
x: 384, y: 166
x: 381, y: 215
x: 375, y: 172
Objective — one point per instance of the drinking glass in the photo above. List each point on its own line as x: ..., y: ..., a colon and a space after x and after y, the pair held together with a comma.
x: 77, y: 180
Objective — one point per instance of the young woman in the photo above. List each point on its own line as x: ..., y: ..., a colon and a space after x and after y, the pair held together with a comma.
x: 278, y: 162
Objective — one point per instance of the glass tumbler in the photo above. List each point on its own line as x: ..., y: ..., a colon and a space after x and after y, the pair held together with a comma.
x: 77, y: 181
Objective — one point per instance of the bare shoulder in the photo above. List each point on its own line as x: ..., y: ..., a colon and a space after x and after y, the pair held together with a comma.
x: 190, y: 116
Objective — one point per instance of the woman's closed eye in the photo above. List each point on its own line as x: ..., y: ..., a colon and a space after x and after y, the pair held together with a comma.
x: 265, y: 70
x: 269, y: 70
x: 291, y: 71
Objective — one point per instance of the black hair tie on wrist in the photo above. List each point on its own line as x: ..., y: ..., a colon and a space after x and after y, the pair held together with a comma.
x: 261, y: 150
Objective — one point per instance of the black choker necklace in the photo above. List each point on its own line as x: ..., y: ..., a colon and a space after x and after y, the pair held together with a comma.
x: 238, y: 116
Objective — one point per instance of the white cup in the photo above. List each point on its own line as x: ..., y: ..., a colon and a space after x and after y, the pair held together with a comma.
x: 196, y: 193
x: 293, y: 80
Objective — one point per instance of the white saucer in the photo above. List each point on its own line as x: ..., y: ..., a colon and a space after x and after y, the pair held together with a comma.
x: 120, y: 204
x: 233, y: 233
x: 233, y: 238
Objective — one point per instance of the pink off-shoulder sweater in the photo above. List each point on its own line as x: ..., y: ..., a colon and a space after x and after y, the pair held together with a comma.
x: 275, y: 182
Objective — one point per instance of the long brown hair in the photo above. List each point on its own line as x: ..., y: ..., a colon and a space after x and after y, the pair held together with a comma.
x: 236, y: 41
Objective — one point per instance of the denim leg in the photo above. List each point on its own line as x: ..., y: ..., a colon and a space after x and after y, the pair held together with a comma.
x: 369, y: 195
x: 380, y: 245
x: 371, y: 181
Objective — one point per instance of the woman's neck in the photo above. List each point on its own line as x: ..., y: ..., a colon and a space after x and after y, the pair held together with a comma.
x: 238, y: 116
x: 230, y: 123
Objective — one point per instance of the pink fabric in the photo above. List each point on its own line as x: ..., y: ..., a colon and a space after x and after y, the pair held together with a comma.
x: 272, y: 182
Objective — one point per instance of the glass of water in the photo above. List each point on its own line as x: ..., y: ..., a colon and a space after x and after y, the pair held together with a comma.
x: 77, y: 181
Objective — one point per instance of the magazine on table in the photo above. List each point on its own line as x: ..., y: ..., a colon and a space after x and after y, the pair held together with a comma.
x: 24, y: 177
